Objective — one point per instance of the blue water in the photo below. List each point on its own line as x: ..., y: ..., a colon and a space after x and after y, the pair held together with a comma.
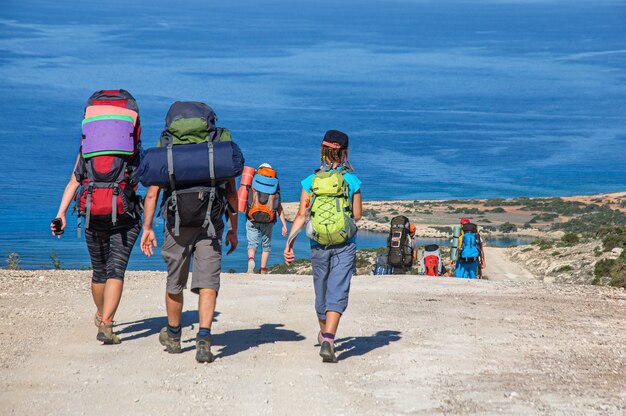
x: 442, y: 99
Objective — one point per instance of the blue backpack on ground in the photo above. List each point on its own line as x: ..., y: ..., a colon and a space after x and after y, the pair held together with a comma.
x: 381, y: 267
x: 469, y: 249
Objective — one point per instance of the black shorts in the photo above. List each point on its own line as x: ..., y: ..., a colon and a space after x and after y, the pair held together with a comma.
x: 110, y: 250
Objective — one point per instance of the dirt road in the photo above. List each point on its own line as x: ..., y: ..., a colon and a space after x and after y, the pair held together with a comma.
x: 501, y: 268
x: 409, y: 345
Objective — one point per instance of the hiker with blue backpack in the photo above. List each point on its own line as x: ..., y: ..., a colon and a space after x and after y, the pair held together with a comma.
x: 104, y: 186
x: 194, y: 203
x: 471, y: 257
x: 330, y: 205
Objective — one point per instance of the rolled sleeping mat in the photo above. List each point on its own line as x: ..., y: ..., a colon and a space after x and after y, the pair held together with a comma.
x: 242, y: 197
x: 191, y: 164
x: 247, y: 175
x: 244, y: 188
x: 454, y: 250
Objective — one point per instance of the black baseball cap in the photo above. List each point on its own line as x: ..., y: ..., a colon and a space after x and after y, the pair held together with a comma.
x: 335, y: 139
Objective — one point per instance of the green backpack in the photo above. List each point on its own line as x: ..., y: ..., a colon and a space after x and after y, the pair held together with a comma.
x: 330, y: 210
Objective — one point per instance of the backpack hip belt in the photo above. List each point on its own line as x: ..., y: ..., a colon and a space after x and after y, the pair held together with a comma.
x: 468, y: 259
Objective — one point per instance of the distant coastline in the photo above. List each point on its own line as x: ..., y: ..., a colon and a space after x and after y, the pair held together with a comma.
x: 541, y: 217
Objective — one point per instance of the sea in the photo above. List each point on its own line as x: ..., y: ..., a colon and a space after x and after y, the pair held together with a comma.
x: 441, y: 98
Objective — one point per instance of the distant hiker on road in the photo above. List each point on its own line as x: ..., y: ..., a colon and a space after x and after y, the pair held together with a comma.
x: 331, y: 200
x: 105, y: 172
x: 264, y: 208
x: 194, y: 202
x: 471, y: 256
x: 400, y: 252
x: 431, y: 263
x: 414, y: 245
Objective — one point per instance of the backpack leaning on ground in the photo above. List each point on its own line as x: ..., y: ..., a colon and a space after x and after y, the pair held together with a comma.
x: 398, y: 244
x: 193, y: 161
x: 432, y: 260
x: 264, y: 196
x: 110, y: 149
x: 469, y: 250
x: 381, y: 267
x: 330, y: 209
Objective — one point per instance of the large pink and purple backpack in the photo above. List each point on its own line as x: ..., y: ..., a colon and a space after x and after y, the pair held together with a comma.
x: 109, y: 154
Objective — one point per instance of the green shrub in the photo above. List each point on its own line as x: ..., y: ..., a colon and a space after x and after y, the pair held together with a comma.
x: 614, y: 269
x: 498, y: 210
x: 564, y: 268
x: 527, y: 249
x: 612, y: 237
x: 591, y: 222
x: 555, y: 253
x: 543, y: 244
x: 569, y: 240
x: 507, y: 227
x: 467, y: 211
x: 13, y: 261
x: 56, y: 262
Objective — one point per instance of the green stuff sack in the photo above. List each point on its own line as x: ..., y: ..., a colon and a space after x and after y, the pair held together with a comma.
x: 330, y: 211
x: 191, y: 122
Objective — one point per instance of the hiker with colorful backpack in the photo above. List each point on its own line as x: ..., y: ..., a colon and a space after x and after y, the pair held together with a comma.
x: 330, y: 205
x: 104, y: 186
x: 400, y: 254
x: 470, y: 257
x: 263, y: 209
x: 431, y: 263
x: 413, y: 242
x: 196, y: 164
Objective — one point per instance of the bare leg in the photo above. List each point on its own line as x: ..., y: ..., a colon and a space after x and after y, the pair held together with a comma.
x: 264, y: 257
x: 332, y: 322
x: 97, y: 292
x: 174, y: 307
x: 322, y: 325
x: 112, y: 295
x: 251, y: 253
x: 206, y: 307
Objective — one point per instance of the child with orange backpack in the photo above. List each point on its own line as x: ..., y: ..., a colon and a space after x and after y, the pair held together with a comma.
x: 264, y: 208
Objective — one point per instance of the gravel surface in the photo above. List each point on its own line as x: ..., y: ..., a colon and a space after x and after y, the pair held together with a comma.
x: 409, y: 345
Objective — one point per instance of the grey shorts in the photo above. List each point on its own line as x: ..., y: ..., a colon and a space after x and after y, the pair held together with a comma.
x: 207, y: 260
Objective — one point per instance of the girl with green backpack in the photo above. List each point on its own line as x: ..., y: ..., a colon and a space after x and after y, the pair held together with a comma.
x: 330, y: 205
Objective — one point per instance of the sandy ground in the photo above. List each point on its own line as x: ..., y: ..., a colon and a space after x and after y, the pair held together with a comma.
x: 408, y: 345
x: 499, y: 267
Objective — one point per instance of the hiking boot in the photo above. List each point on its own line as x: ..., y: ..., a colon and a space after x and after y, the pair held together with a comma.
x: 251, y: 265
x: 106, y: 334
x: 97, y: 320
x: 169, y: 341
x: 327, y: 352
x: 203, y: 349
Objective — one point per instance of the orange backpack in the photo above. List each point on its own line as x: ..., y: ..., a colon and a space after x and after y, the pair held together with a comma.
x: 264, y: 196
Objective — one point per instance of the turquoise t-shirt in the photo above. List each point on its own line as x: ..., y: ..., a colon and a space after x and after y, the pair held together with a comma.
x: 354, y: 184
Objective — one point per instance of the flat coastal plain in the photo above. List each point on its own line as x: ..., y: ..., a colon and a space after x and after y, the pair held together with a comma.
x: 407, y: 345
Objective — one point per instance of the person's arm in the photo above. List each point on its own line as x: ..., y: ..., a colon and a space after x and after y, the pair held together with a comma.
x: 483, y: 264
x: 281, y: 215
x: 148, y: 238
x: 298, y: 223
x: 231, y: 235
x: 66, y: 199
x: 357, y: 205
